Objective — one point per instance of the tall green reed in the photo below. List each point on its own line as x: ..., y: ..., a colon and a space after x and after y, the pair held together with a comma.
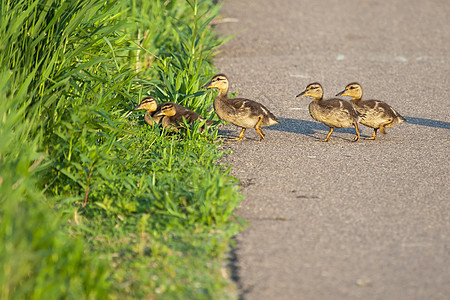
x: 70, y: 70
x: 41, y: 47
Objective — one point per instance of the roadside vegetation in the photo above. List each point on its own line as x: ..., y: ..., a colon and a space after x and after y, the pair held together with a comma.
x: 94, y: 205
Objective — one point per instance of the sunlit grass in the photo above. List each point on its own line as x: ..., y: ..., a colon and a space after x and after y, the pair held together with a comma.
x: 93, y: 204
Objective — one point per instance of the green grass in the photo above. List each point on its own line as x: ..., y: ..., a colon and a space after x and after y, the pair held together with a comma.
x: 93, y: 204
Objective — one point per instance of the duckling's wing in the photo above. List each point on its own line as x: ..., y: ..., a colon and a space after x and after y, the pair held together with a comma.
x: 337, y: 104
x: 189, y: 115
x: 331, y: 104
x: 340, y: 107
x: 389, y: 110
x: 242, y: 104
x: 379, y: 108
x: 374, y: 106
x: 184, y: 113
x: 384, y: 112
x: 253, y: 108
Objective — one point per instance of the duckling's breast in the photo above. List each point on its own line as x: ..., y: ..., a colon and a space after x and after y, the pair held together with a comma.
x: 150, y: 119
x: 166, y: 122
x: 332, y: 114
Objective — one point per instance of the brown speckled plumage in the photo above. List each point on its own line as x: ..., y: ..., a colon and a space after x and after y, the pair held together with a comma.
x: 241, y: 112
x: 331, y: 112
x: 173, y: 115
x: 377, y: 114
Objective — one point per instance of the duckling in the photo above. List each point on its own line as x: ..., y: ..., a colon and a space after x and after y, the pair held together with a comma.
x: 151, y: 106
x: 172, y: 115
x: 241, y: 112
x: 378, y: 114
x: 331, y: 112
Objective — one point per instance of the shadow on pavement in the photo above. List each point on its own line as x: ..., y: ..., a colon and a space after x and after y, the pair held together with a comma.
x: 428, y: 122
x: 309, y: 128
x: 228, y: 135
x: 318, y: 130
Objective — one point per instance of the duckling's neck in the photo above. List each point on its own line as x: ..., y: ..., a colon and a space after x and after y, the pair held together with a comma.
x: 355, y: 99
x: 148, y: 117
x: 223, y: 93
x: 318, y: 99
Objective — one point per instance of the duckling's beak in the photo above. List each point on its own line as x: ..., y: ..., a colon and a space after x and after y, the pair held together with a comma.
x: 342, y: 93
x: 158, y: 113
x: 137, y: 108
x: 302, y: 94
x: 208, y: 85
x: 134, y: 109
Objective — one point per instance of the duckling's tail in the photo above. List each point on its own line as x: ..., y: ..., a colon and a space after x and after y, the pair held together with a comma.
x: 270, y: 120
x: 398, y: 118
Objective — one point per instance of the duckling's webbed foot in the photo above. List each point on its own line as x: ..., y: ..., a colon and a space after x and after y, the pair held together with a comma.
x: 328, y: 135
x: 240, y: 137
x: 260, y: 133
x: 374, y: 135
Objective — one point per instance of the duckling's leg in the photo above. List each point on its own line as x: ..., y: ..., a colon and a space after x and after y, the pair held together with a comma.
x: 241, y: 135
x: 260, y: 133
x: 258, y: 128
x: 357, y: 132
x: 328, y: 135
x: 374, y: 135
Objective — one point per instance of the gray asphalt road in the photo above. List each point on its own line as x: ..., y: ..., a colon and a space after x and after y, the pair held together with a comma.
x: 341, y: 220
